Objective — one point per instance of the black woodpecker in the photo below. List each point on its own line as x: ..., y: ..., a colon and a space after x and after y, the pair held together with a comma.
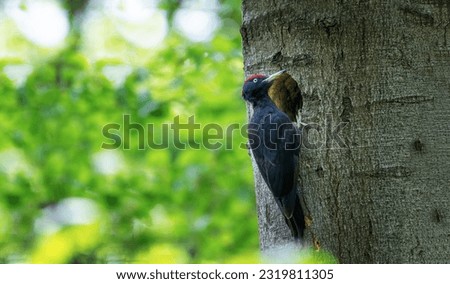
x: 275, y: 144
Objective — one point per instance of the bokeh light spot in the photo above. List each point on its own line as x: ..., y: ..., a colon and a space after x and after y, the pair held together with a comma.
x: 70, y: 211
x: 107, y: 162
x: 44, y: 23
x: 198, y: 20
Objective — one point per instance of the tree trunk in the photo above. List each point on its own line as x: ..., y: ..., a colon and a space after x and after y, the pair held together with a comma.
x: 375, y: 158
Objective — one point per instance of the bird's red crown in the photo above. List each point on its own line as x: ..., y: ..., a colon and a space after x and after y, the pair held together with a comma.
x: 255, y: 76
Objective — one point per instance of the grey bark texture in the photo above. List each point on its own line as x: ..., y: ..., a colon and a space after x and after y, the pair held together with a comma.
x: 375, y: 158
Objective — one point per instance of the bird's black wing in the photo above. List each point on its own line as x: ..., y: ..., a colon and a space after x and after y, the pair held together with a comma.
x: 277, y: 157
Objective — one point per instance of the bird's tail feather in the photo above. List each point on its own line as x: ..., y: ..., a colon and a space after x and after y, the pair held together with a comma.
x: 296, y: 222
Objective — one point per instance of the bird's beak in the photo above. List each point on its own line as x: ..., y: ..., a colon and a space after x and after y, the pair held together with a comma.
x: 272, y: 77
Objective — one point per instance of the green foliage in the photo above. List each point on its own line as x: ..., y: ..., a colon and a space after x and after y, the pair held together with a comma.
x: 312, y: 256
x: 160, y: 206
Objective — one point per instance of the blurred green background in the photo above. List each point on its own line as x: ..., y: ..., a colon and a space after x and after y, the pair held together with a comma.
x: 67, y: 69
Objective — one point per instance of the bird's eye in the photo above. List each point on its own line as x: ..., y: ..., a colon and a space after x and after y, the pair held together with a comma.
x: 255, y: 80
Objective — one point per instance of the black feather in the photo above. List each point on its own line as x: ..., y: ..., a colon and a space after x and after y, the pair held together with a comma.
x: 275, y: 144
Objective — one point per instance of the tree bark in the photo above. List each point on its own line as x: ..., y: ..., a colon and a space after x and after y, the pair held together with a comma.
x: 375, y: 158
